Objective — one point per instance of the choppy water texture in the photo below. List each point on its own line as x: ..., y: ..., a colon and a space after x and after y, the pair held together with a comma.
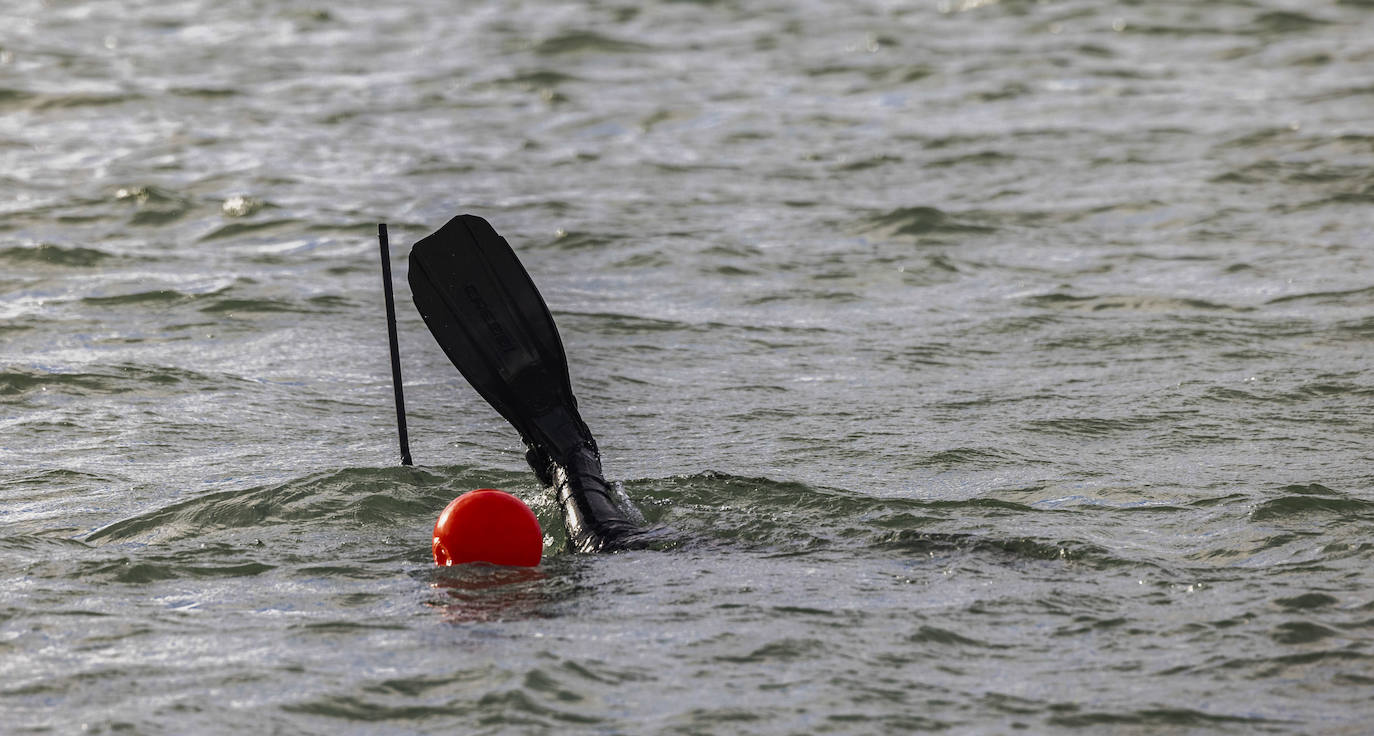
x: 1002, y: 366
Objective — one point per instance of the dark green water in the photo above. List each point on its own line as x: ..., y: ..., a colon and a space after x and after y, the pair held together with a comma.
x: 1004, y: 367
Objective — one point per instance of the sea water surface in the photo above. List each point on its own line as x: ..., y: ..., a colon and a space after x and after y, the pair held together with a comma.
x: 1000, y: 366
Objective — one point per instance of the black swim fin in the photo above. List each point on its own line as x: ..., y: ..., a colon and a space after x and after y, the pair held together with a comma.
x: 483, y: 308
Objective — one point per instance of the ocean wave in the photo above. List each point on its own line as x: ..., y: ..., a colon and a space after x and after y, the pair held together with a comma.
x: 920, y: 222
x: 56, y: 255
x: 1140, y: 303
x: 353, y: 497
x: 97, y: 379
x: 1312, y: 500
x: 793, y: 518
x: 580, y: 42
x: 1344, y: 297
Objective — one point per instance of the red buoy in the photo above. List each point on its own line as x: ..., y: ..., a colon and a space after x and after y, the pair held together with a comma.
x: 487, y: 525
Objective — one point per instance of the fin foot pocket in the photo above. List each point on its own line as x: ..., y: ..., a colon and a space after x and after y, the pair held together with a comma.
x: 595, y: 522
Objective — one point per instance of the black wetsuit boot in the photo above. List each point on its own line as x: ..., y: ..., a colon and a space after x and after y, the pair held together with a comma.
x: 594, y: 520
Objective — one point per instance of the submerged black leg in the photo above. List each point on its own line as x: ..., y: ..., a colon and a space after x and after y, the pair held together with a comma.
x: 594, y: 519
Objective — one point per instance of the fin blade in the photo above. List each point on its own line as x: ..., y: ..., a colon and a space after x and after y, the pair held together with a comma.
x: 483, y: 308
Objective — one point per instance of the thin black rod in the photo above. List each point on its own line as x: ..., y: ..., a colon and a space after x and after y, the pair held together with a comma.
x: 395, y: 348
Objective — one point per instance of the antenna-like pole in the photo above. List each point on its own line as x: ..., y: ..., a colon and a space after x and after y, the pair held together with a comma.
x: 395, y: 349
